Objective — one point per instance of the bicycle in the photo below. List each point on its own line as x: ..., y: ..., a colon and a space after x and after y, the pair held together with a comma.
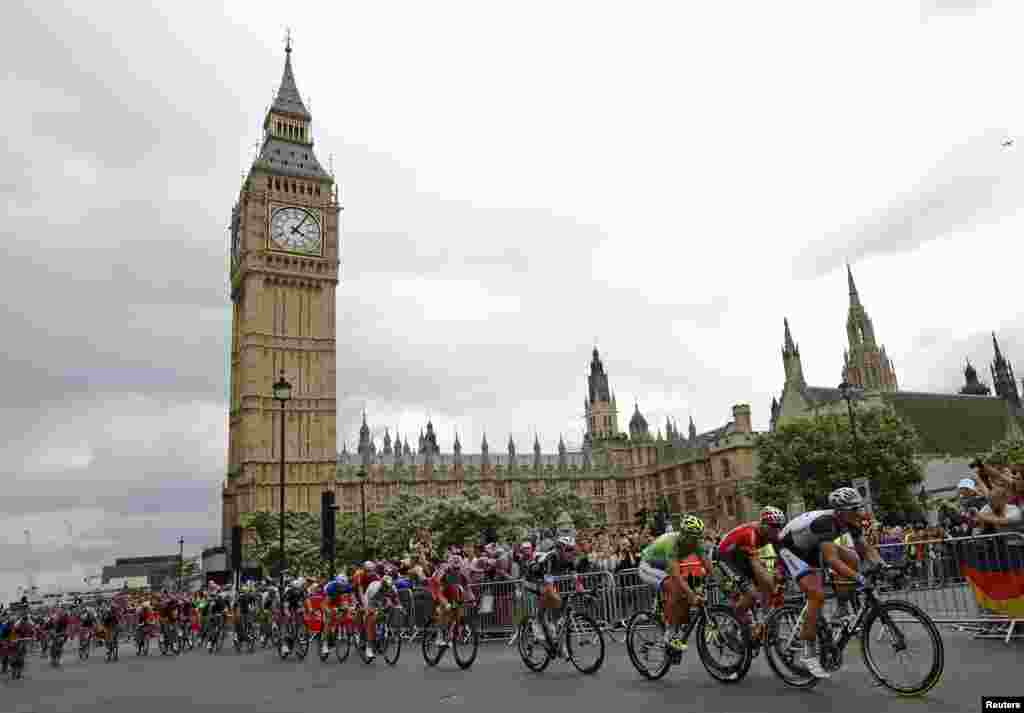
x: 112, y: 642
x: 832, y: 639
x: 295, y: 634
x: 215, y: 633
x: 169, y: 643
x: 57, y: 648
x: 244, y: 634
x: 85, y: 643
x: 460, y: 632
x: 345, y: 633
x: 570, y: 621
x: 388, y: 636
x: 717, y: 629
x: 142, y: 636
x: 15, y: 652
x: 734, y: 587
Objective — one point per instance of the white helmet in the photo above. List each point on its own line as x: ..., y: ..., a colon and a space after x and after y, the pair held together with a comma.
x: 299, y: 583
x: 846, y: 499
x: 567, y: 541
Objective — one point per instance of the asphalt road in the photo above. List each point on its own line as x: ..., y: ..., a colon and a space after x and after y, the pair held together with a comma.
x: 260, y: 682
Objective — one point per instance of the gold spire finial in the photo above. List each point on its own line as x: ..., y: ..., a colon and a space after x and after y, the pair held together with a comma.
x: 287, y: 39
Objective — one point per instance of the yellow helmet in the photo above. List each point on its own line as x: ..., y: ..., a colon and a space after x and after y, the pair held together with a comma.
x: 692, y: 525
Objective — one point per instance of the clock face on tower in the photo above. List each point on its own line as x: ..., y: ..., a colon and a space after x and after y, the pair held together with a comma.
x: 295, y: 230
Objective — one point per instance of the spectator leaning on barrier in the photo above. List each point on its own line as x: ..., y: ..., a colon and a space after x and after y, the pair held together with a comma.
x: 999, y: 514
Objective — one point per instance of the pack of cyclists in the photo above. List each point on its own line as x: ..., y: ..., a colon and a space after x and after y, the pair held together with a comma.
x: 803, y: 546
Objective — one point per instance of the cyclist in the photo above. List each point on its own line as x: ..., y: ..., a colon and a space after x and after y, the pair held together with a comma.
x: 379, y: 593
x: 738, y: 555
x: 545, y: 567
x: 337, y: 593
x: 448, y: 586
x: 807, y: 544
x: 659, y: 567
x: 294, y: 600
x: 245, y: 607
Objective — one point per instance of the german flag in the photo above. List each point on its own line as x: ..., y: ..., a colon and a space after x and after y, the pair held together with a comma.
x: 995, y: 569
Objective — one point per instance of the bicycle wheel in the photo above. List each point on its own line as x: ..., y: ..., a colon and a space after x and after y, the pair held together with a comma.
x: 904, y: 630
x: 533, y: 651
x: 342, y: 645
x: 645, y: 644
x: 584, y: 642
x: 285, y: 641
x: 236, y: 639
x: 161, y: 643
x: 465, y: 644
x: 84, y: 647
x: 392, y: 642
x: 723, y: 644
x: 782, y: 630
x: 301, y: 642
x: 432, y: 653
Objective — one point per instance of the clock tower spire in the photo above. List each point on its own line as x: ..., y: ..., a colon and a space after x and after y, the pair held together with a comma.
x: 284, y: 260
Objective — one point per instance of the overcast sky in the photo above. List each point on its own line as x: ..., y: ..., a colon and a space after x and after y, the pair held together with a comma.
x: 673, y: 180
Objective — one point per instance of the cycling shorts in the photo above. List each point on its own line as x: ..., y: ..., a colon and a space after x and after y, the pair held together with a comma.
x: 799, y: 564
x: 654, y: 576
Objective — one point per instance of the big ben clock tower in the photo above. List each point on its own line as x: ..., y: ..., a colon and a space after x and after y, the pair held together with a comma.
x: 284, y: 260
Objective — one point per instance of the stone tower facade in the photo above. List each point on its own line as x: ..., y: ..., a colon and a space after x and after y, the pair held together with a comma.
x: 864, y: 363
x: 600, y: 409
x: 284, y: 273
x: 1003, y: 380
x: 972, y: 385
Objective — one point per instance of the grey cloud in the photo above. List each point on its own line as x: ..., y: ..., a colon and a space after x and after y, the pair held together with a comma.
x: 976, y: 182
x: 941, y: 8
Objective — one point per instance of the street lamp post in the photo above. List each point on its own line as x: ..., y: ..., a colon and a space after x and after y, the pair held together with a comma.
x: 181, y: 559
x: 282, y: 393
x: 362, y: 492
x: 848, y: 392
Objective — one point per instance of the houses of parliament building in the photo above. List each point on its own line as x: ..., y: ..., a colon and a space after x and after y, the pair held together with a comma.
x: 284, y: 264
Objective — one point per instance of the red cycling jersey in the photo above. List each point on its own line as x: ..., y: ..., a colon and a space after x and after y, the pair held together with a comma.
x: 745, y: 538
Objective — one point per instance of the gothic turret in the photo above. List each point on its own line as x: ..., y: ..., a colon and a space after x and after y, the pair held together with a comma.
x: 693, y: 433
x: 972, y: 385
x: 1003, y: 381
x: 865, y: 365
x: 511, y: 448
x: 536, y: 452
x: 387, y: 442
x: 599, y: 407
x: 638, y: 425
x: 364, y: 440
x: 457, y: 448
x: 485, y: 457
x: 287, y: 147
x: 562, y: 461
x: 791, y: 358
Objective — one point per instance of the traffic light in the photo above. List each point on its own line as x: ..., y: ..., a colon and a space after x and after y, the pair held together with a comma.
x: 327, y: 525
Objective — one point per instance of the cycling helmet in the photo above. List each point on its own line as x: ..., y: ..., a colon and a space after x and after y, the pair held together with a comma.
x: 773, y: 516
x: 299, y: 583
x: 386, y: 582
x: 369, y: 565
x: 692, y: 525
x: 567, y: 541
x: 341, y: 580
x: 403, y: 583
x: 390, y: 570
x: 845, y: 499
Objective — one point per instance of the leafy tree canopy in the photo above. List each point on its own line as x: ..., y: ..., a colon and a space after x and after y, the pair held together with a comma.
x: 809, y: 458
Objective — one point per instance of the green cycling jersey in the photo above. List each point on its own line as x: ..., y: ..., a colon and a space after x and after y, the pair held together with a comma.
x: 670, y: 549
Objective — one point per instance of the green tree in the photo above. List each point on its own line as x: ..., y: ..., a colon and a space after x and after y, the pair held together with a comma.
x: 542, y: 509
x: 1006, y: 452
x: 809, y: 458
x: 301, y: 543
